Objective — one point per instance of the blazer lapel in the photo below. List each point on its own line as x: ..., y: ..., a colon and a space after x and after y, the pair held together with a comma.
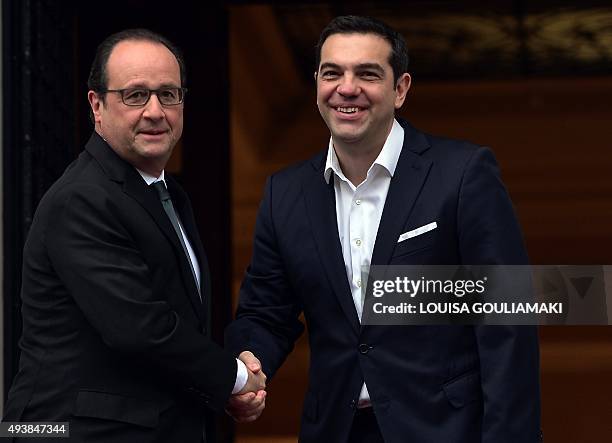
x: 405, y: 187
x: 321, y: 209
x: 148, y: 198
x: 133, y: 185
x: 185, y: 213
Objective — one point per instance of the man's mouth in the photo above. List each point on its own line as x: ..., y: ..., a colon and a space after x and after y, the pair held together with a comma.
x: 348, y: 109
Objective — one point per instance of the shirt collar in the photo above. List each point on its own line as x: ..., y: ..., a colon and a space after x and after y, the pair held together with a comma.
x: 387, y: 158
x: 150, y: 179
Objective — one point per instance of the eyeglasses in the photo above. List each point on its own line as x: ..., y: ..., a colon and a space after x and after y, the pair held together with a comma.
x: 141, y: 96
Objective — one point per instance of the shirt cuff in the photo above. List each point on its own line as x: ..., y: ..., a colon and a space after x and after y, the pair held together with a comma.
x: 242, y: 376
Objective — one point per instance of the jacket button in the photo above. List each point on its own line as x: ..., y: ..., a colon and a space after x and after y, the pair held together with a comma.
x: 353, y: 404
x: 364, y: 349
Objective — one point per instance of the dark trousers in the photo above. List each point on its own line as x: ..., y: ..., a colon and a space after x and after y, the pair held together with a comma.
x: 365, y: 428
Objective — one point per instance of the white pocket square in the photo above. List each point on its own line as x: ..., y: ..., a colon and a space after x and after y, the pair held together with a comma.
x: 418, y: 231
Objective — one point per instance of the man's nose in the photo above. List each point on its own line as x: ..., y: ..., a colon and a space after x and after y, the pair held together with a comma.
x: 153, y: 108
x: 348, y: 86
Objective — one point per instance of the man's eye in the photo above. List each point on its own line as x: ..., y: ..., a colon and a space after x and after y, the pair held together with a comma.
x: 168, y: 93
x: 370, y: 75
x: 135, y: 94
x: 329, y: 74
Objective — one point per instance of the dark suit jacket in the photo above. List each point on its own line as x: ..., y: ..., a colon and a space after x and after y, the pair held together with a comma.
x: 114, y: 332
x: 451, y: 384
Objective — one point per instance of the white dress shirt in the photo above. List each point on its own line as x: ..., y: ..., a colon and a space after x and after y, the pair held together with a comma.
x: 358, y: 212
x: 241, y: 373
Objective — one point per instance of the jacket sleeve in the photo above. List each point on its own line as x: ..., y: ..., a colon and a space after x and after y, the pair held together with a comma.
x: 489, y: 234
x: 266, y: 321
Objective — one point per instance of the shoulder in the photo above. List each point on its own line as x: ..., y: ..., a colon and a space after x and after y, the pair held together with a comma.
x: 435, y: 146
x: 461, y: 156
x: 448, y: 154
x: 83, y: 187
x: 292, y: 177
x: 452, y: 150
x: 82, y: 177
x: 302, y: 169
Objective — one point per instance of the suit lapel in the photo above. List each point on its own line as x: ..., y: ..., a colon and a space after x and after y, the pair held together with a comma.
x: 405, y: 187
x: 321, y: 209
x: 148, y: 198
x: 185, y: 213
x: 133, y: 185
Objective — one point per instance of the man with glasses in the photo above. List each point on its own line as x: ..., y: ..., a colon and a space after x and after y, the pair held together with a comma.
x: 116, y: 289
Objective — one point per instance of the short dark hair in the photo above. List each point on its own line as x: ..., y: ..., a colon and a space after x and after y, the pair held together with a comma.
x: 98, y: 76
x: 354, y: 24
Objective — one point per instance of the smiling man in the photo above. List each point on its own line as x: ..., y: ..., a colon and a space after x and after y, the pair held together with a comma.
x: 116, y: 289
x: 350, y: 207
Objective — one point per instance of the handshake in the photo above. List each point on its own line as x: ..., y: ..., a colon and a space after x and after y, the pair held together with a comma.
x: 248, y: 404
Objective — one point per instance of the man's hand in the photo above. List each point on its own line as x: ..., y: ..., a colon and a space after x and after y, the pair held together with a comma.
x: 248, y: 404
x: 257, y: 379
x: 244, y: 408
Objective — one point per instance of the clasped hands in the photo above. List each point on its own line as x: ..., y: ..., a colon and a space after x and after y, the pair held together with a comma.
x: 248, y: 404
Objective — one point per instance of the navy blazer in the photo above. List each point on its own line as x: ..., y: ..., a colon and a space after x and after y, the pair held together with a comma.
x: 427, y: 384
x: 114, y: 333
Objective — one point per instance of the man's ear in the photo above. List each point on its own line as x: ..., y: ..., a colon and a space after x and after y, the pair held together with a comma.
x: 95, y: 101
x: 401, y: 87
